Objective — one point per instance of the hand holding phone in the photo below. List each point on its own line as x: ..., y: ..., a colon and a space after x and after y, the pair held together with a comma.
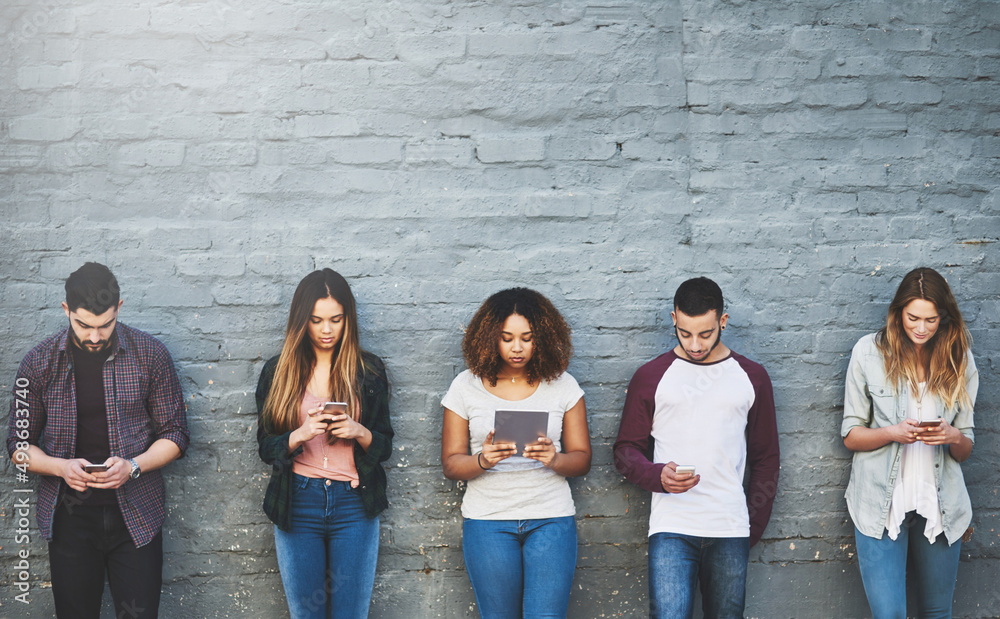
x: 334, y: 408
x: 675, y: 478
x: 317, y: 422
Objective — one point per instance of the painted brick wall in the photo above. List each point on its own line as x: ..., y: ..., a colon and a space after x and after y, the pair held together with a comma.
x: 212, y: 152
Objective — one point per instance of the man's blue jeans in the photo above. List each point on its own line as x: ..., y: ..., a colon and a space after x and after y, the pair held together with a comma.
x: 327, y: 559
x: 520, y: 568
x: 883, y: 571
x: 678, y: 563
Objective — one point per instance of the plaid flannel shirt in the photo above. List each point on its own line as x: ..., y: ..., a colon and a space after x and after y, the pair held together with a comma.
x: 273, y: 448
x: 144, y: 403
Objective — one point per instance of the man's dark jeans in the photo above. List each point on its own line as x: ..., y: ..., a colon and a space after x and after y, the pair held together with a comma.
x: 91, y: 541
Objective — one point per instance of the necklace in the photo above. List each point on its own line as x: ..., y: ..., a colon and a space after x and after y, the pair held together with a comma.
x: 512, y: 378
x: 309, y: 388
x: 920, y: 401
x: 316, y: 386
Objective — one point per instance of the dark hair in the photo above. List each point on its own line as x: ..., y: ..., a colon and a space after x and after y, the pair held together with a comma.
x: 92, y: 287
x: 318, y: 285
x: 553, y: 344
x: 698, y: 296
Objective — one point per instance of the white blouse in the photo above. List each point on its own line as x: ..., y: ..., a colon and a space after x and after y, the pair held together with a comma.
x: 916, y: 486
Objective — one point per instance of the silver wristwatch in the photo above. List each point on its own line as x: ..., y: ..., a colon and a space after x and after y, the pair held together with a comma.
x: 135, y: 469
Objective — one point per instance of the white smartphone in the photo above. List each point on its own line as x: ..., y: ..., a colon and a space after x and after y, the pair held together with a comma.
x: 685, y: 468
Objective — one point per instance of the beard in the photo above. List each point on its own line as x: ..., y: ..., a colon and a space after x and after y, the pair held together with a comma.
x: 718, y: 340
x: 89, y: 347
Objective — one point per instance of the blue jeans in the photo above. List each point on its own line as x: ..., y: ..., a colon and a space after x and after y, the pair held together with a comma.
x: 327, y: 559
x: 883, y: 571
x: 520, y: 568
x: 678, y: 563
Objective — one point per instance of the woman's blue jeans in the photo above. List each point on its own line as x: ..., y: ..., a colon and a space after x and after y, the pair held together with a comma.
x: 678, y: 563
x: 520, y: 568
x: 327, y: 559
x: 883, y: 571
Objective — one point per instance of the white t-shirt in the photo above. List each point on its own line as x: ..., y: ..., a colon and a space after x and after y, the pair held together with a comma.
x: 518, y: 488
x: 700, y: 418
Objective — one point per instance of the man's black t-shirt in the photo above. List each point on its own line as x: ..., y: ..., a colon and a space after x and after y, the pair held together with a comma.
x: 92, y: 440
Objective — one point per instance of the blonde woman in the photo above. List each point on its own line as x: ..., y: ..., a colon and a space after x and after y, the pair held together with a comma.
x: 327, y: 483
x: 908, y: 412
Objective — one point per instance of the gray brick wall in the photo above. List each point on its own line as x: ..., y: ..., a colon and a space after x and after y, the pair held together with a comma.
x: 804, y: 154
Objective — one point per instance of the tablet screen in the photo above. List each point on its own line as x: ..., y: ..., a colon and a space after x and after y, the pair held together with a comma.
x: 521, y: 427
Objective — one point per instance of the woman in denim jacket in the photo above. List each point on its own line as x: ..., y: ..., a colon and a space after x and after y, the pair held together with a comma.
x: 908, y: 419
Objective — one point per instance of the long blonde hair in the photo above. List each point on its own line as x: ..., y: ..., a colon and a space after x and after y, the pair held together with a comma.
x: 297, y: 360
x: 949, y: 348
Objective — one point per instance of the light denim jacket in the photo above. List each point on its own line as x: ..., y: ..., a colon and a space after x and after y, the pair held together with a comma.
x: 869, y: 401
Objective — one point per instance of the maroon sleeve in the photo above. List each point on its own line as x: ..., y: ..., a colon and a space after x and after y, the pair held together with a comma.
x: 634, y: 444
x: 763, y: 459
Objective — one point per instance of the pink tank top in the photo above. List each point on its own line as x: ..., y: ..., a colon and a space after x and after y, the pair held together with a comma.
x: 321, y: 460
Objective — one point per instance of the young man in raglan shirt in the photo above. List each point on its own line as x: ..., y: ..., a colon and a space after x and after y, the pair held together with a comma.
x: 99, y: 393
x: 706, y: 406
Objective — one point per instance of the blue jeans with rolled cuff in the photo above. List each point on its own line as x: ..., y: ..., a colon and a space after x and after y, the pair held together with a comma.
x: 327, y: 559
x: 520, y: 568
x: 883, y: 571
x: 679, y: 563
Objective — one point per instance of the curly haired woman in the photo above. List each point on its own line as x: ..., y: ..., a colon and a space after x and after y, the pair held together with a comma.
x: 519, y: 530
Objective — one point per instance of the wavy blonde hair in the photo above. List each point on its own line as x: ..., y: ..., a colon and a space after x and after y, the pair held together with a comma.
x: 949, y: 348
x: 297, y: 360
